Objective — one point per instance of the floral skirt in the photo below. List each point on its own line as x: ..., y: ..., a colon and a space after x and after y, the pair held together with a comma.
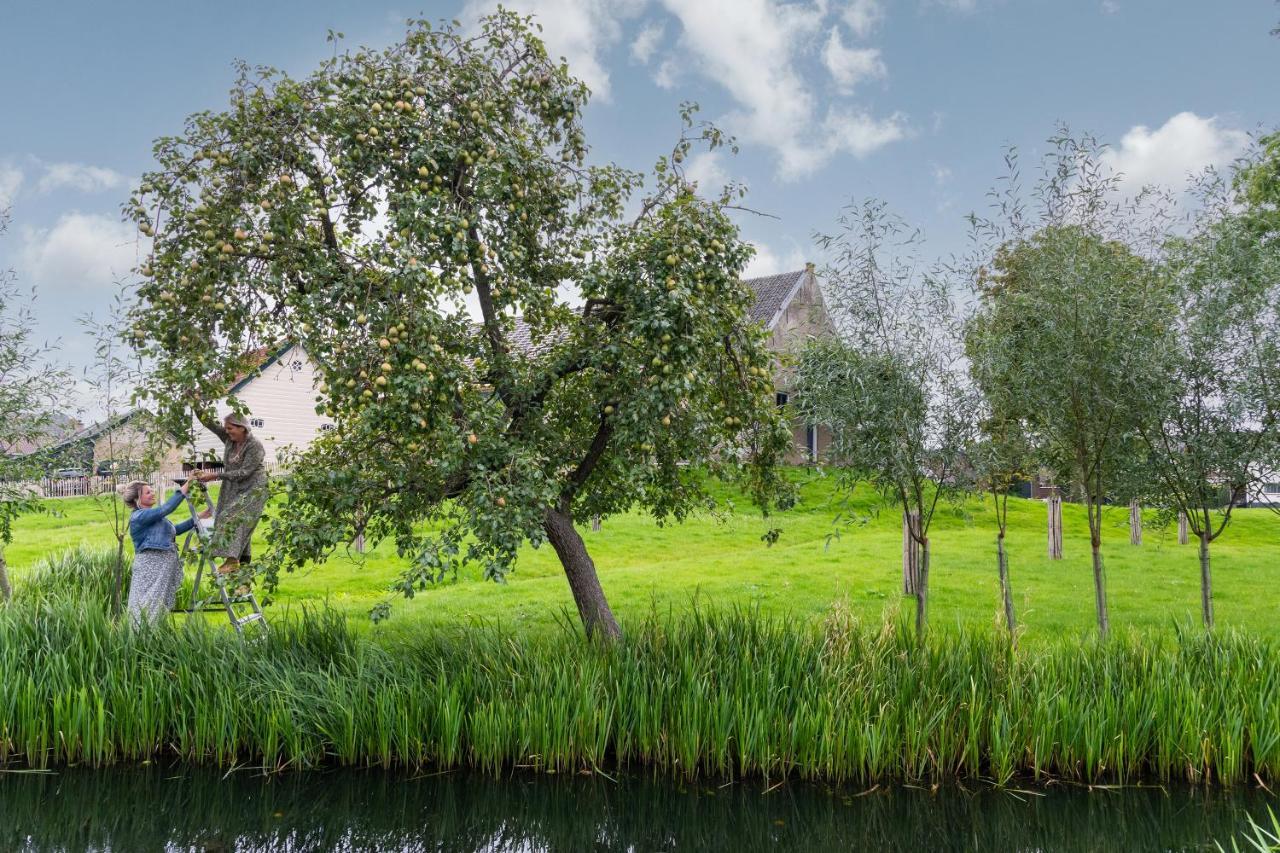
x: 154, y: 588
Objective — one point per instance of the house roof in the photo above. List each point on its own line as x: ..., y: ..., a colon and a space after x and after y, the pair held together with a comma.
x: 773, y: 293
x: 93, y: 431
x: 58, y: 428
x: 259, y: 359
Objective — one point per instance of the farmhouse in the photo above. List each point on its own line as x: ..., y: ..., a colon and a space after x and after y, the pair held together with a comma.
x: 281, y: 397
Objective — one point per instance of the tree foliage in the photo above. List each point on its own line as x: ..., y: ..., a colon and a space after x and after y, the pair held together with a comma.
x: 1071, y: 311
x: 1210, y: 407
x: 890, y: 384
x: 30, y: 390
x: 359, y: 210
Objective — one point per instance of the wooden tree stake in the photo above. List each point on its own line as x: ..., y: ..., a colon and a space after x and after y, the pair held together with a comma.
x: 1183, y: 538
x: 1135, y: 523
x: 1055, y: 526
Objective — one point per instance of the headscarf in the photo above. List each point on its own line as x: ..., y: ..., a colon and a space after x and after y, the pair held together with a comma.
x: 237, y: 419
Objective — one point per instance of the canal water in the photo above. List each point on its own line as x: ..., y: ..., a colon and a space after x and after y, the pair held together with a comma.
x: 188, y: 809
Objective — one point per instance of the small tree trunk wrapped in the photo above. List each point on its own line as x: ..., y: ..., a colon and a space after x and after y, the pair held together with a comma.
x: 1099, y: 573
x: 1055, y: 526
x: 6, y: 591
x: 1206, y: 582
x: 910, y: 553
x: 1135, y: 523
x: 1006, y: 593
x: 595, y: 524
x: 357, y: 544
x: 922, y: 590
x: 1183, y: 538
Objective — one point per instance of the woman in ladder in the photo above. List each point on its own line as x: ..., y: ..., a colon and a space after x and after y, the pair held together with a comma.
x: 157, y: 568
x: 243, y: 493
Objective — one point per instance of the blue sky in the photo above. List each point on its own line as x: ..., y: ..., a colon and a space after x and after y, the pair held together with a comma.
x: 911, y: 101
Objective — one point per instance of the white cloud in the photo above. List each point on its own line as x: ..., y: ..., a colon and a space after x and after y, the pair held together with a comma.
x: 706, y: 169
x: 859, y: 133
x: 767, y: 261
x: 668, y: 73
x: 78, y: 176
x: 941, y: 174
x: 1182, y: 146
x: 1110, y: 7
x: 10, y: 182
x: 749, y: 47
x: 862, y: 16
x: 849, y: 66
x: 81, y: 256
x: 646, y: 43
x: 579, y: 30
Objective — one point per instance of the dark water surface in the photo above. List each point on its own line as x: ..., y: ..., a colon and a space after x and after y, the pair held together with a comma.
x: 187, y: 809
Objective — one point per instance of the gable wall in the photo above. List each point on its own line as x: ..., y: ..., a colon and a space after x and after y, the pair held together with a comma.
x: 284, y: 397
x: 805, y: 316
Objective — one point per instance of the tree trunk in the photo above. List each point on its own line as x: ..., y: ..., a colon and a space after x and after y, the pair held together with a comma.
x: 1183, y: 538
x: 1135, y: 523
x: 1055, y: 527
x: 910, y: 553
x: 922, y: 590
x: 117, y: 578
x: 6, y: 591
x: 1206, y: 582
x: 580, y: 571
x: 1099, y: 572
x: 1006, y: 594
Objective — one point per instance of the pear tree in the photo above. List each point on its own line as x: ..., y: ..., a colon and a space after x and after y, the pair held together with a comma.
x: 418, y: 217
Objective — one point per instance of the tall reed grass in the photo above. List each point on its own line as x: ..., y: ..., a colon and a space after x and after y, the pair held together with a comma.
x: 731, y: 694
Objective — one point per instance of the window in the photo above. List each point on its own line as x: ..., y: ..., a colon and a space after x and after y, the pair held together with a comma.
x: 326, y: 427
x: 811, y: 439
x: 257, y: 422
x: 1271, y: 489
x: 782, y: 398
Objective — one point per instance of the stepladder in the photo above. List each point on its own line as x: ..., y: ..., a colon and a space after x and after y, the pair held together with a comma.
x: 241, y: 605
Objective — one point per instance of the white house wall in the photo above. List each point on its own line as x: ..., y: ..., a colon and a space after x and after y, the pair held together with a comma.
x: 283, y: 397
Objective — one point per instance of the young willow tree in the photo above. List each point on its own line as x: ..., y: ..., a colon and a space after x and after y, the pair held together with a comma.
x: 888, y: 384
x: 30, y: 388
x: 357, y: 211
x: 1068, y: 321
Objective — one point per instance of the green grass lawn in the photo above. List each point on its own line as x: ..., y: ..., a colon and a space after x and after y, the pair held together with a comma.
x: 643, y: 566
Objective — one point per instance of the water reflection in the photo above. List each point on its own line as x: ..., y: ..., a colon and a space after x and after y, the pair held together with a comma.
x: 186, y: 809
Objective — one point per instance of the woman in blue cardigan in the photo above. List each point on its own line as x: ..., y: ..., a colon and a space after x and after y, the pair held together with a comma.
x: 157, y: 568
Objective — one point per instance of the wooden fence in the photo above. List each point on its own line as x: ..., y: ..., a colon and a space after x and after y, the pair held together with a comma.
x: 86, y: 485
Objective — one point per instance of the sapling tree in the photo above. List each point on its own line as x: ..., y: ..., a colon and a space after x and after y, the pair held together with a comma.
x: 31, y: 386
x: 112, y: 378
x: 1073, y: 314
x: 358, y: 210
x: 890, y: 382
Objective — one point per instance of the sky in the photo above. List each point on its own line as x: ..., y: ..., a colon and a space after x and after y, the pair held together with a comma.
x: 913, y: 102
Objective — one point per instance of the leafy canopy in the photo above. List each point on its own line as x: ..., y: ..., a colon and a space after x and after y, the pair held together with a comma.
x: 362, y: 210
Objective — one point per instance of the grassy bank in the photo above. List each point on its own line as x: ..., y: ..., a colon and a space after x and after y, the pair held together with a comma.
x: 725, y: 563
x: 730, y: 694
